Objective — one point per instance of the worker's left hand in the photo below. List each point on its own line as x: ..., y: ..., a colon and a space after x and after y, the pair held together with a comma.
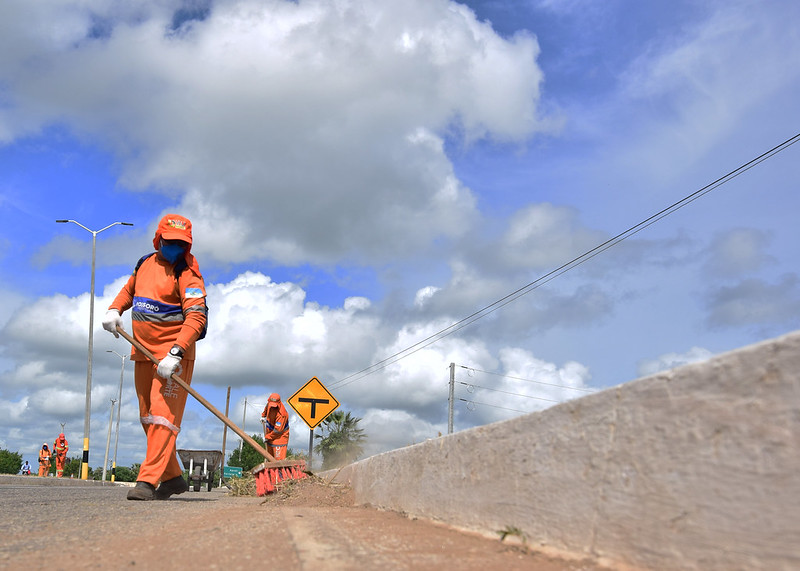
x: 168, y: 365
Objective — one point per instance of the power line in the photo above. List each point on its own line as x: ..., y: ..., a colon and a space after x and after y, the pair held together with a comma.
x: 506, y: 392
x: 472, y: 402
x: 588, y: 390
x: 586, y: 256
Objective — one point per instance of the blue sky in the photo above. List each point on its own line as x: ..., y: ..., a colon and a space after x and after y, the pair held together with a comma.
x: 361, y: 174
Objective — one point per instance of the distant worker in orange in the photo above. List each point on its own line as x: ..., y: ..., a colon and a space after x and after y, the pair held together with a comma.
x: 276, y: 427
x: 60, y: 449
x: 44, y: 460
x: 168, y: 299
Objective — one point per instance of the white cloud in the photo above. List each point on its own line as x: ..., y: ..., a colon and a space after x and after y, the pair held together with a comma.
x: 392, y: 429
x: 257, y: 325
x: 755, y: 302
x: 545, y: 236
x: 306, y: 131
x: 737, y: 252
x: 672, y: 360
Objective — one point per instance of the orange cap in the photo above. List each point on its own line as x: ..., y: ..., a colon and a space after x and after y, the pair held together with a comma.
x: 173, y: 227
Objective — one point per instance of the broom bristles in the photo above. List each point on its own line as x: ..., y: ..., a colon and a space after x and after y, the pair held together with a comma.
x: 267, y: 478
x: 264, y: 483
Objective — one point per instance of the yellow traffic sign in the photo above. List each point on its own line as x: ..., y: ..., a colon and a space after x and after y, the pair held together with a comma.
x: 313, y: 402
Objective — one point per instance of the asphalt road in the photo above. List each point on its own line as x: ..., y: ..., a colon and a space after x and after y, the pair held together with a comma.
x: 53, y: 525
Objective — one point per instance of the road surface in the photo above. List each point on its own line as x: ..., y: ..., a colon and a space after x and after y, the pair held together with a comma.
x: 91, y: 525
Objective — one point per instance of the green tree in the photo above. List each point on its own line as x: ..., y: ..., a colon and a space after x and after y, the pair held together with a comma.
x: 10, y: 462
x: 123, y: 474
x: 341, y: 440
x: 247, y: 458
x: 72, y: 468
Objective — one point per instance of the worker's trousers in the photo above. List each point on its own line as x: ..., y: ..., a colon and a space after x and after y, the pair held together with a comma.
x: 161, y: 404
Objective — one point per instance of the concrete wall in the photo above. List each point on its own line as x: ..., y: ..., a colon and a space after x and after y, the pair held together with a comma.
x: 694, y: 468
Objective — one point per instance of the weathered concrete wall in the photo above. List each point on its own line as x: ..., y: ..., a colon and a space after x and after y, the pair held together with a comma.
x: 694, y: 468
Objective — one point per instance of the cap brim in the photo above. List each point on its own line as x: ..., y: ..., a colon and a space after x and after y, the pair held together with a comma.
x: 176, y: 236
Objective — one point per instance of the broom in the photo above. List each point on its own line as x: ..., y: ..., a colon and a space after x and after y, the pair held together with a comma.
x: 267, y: 474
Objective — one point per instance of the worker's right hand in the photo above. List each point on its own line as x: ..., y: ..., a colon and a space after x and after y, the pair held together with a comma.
x: 111, y: 321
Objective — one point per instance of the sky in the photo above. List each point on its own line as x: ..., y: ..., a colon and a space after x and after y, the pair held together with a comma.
x: 372, y: 185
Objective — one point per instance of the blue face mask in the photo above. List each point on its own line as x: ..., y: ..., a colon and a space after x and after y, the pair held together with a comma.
x: 171, y: 252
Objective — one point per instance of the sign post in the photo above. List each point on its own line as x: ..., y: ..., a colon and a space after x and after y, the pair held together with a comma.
x: 313, y: 402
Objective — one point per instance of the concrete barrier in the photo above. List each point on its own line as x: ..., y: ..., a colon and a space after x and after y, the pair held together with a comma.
x: 694, y: 468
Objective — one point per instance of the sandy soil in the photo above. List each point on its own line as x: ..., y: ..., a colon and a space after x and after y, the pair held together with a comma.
x: 303, y: 525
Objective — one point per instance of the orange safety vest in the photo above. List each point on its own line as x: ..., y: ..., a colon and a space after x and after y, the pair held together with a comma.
x: 162, y: 305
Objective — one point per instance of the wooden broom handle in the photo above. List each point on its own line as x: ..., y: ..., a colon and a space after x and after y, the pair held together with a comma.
x: 241, y: 433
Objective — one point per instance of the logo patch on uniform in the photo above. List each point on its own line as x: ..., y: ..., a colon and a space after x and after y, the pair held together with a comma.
x: 177, y: 224
x: 193, y: 293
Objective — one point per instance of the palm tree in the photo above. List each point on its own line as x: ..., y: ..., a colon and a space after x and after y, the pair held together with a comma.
x: 341, y: 441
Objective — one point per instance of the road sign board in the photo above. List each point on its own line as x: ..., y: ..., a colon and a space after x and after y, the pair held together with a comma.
x: 313, y: 402
x: 231, y: 472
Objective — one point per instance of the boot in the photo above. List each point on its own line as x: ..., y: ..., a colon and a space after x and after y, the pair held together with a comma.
x: 176, y: 485
x: 142, y: 491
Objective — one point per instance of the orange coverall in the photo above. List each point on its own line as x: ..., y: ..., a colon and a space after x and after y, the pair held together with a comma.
x: 44, y: 460
x: 60, y: 449
x: 166, y: 311
x: 276, y: 427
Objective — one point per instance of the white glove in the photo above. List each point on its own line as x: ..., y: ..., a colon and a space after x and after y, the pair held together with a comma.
x: 111, y: 320
x: 168, y: 365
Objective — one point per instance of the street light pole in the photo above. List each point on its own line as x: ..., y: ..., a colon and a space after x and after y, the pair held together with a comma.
x: 119, y: 413
x: 108, y: 438
x: 88, y: 409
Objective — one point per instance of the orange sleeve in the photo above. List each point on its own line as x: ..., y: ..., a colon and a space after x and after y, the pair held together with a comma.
x: 124, y: 299
x: 193, y: 303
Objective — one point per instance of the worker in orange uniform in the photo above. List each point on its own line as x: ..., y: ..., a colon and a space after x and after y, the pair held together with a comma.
x: 44, y: 460
x: 60, y: 449
x: 276, y: 427
x: 167, y: 295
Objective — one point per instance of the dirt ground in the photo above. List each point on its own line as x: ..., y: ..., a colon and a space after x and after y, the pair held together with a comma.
x: 305, y: 524
x: 468, y: 549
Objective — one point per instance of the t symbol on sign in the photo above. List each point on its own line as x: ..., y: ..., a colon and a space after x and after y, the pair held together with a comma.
x: 314, y: 404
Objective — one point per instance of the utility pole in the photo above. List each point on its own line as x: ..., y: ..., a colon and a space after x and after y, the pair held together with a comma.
x: 244, y: 413
x: 450, y: 398
x: 224, y: 436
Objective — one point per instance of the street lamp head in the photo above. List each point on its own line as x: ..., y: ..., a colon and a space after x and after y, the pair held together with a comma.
x: 62, y: 221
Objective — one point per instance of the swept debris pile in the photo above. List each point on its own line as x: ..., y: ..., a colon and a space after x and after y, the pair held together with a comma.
x: 310, y: 491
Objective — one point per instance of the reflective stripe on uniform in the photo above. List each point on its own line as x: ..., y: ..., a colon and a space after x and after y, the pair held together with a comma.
x: 270, y: 428
x: 153, y: 419
x: 147, y: 309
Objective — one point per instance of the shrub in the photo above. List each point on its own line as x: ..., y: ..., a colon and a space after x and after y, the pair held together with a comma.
x: 10, y: 462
